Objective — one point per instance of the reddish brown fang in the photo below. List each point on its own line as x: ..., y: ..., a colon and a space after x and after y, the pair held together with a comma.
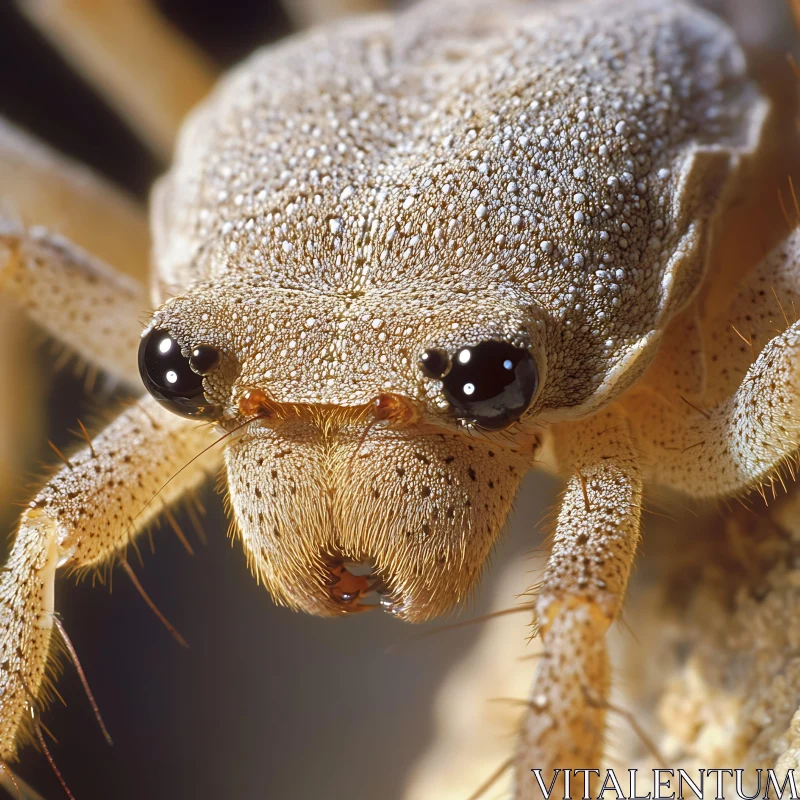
x: 394, y: 408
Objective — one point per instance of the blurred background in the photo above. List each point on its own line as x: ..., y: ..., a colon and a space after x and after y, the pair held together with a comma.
x: 265, y: 703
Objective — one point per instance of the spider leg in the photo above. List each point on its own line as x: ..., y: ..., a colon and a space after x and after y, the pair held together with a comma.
x: 37, y: 184
x: 741, y: 442
x: 75, y: 297
x: 144, y: 67
x: 766, y: 302
x: 581, y: 594
x: 86, y: 514
x: 748, y: 424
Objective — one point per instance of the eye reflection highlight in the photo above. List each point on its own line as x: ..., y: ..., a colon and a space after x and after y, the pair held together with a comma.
x: 169, y: 376
x: 489, y: 384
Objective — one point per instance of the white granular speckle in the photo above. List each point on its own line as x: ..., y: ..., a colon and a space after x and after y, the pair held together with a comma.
x: 413, y: 183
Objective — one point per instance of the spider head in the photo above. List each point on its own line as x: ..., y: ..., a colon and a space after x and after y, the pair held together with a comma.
x: 371, y: 459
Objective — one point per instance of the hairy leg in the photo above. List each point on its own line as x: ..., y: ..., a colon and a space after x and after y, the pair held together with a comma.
x: 144, y: 67
x: 580, y: 596
x: 39, y: 186
x: 75, y: 297
x: 742, y: 442
x: 87, y: 513
x: 750, y: 426
x: 766, y: 302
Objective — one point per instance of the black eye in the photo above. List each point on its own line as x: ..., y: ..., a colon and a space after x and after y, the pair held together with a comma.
x: 204, y: 359
x: 491, y: 384
x: 434, y: 363
x: 174, y: 380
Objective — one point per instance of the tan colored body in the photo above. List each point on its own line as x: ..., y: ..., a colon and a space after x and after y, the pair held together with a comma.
x: 551, y: 176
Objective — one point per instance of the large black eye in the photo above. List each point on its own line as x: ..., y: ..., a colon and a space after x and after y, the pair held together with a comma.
x: 491, y: 384
x: 174, y: 380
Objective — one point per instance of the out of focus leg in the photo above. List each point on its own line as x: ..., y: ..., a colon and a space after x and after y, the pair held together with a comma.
x: 144, y: 67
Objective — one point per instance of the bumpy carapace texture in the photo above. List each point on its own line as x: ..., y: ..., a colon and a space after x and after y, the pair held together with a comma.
x: 542, y: 174
x: 550, y: 175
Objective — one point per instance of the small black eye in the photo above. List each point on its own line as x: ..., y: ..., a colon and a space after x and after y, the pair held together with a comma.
x: 204, y: 359
x: 174, y: 380
x: 434, y: 363
x: 491, y: 383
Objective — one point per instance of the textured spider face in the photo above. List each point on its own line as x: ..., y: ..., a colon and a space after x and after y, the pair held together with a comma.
x: 359, y: 436
x: 398, y: 249
x: 400, y: 273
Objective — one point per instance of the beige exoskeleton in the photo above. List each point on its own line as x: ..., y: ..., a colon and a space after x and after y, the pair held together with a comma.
x: 397, y: 263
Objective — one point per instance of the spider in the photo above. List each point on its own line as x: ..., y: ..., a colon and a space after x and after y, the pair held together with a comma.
x: 398, y: 263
